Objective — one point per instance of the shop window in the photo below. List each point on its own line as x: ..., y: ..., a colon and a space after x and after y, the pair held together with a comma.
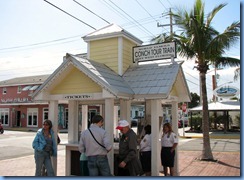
x: 66, y: 117
x: 4, y: 114
x: 45, y: 114
x: 32, y: 117
x: 4, y: 90
x: 19, y: 89
x: 136, y: 113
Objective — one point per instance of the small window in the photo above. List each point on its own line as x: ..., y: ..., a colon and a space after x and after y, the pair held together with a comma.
x: 19, y: 89
x: 45, y: 114
x: 4, y: 90
x: 34, y: 88
x: 32, y: 117
x: 26, y: 88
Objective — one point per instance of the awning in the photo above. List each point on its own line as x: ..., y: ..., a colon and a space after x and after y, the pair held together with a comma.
x: 19, y: 104
x: 220, y: 106
x: 26, y: 88
x: 34, y: 87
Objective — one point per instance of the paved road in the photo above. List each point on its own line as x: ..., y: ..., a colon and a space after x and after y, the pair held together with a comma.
x: 17, y: 144
x: 217, y: 145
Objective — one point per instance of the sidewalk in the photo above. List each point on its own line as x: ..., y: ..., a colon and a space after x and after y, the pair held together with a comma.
x: 228, y: 164
x: 213, y: 135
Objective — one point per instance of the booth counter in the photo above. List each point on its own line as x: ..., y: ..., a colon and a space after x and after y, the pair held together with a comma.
x: 73, y: 159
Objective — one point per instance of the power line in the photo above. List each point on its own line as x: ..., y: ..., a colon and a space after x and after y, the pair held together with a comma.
x: 147, y: 19
x: 40, y: 43
x: 148, y: 12
x: 110, y: 7
x: 131, y: 18
x: 162, y: 4
x: 70, y: 14
x: 145, y: 10
x: 92, y: 12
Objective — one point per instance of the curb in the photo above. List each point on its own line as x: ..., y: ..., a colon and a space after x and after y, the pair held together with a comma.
x: 213, y: 136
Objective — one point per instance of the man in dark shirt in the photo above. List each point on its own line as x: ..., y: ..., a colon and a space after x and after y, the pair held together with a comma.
x: 129, y: 164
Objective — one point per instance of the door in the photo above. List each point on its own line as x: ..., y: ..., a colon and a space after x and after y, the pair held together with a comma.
x: 18, y: 118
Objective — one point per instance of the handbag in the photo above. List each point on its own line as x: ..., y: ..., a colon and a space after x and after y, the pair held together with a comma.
x: 96, y: 140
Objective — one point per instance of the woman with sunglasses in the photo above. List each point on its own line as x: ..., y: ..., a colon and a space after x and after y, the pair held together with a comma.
x: 45, y: 146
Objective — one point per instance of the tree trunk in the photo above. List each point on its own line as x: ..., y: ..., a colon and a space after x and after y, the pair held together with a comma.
x: 206, y: 152
x: 215, y: 120
x: 225, y: 122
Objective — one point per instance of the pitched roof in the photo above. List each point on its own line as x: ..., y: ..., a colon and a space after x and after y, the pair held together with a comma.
x: 139, y: 81
x: 28, y: 80
x: 102, y: 75
x: 112, y: 30
x: 152, y: 79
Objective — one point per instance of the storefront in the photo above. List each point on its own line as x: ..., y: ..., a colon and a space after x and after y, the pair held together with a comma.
x: 108, y: 78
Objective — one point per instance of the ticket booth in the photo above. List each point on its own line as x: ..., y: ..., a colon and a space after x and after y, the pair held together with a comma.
x: 108, y: 77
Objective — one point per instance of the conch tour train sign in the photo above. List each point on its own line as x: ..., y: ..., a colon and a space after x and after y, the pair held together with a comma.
x: 154, y: 52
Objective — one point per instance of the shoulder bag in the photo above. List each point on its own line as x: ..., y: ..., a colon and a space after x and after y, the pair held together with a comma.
x: 95, y: 139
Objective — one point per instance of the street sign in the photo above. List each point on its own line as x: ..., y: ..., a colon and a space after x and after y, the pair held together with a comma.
x: 226, y: 91
x: 153, y: 52
x: 183, y: 107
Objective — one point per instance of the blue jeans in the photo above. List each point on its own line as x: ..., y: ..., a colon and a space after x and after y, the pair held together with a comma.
x: 98, y: 166
x: 84, y: 171
x: 43, y: 158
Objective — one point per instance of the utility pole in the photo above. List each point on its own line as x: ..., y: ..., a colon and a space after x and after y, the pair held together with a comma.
x: 171, y: 29
x: 171, y: 23
x: 214, y: 86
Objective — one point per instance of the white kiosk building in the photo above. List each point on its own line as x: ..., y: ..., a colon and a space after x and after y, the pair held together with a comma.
x: 109, y: 78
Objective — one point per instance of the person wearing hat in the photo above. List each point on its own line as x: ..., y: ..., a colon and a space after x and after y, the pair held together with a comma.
x: 45, y: 146
x: 128, y: 162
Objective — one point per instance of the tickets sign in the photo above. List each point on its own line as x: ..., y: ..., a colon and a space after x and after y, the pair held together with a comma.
x: 78, y: 96
x: 154, y: 52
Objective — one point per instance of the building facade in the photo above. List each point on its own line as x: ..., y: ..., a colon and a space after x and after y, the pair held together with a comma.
x: 17, y: 108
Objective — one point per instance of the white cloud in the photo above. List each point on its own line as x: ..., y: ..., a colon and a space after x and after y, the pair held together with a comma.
x: 45, y: 62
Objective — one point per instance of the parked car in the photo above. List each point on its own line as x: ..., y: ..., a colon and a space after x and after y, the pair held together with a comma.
x: 1, y: 128
x: 135, y: 120
x: 179, y: 124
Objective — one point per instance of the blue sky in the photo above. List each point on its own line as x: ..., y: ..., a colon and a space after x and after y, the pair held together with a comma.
x: 35, y: 36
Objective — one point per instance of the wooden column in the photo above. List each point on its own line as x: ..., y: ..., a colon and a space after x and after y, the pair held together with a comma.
x: 155, y: 114
x: 73, y: 127
x: 147, y: 115
x: 53, y: 116
x: 125, y: 106
x: 109, y: 127
x: 174, y: 111
x: 84, y: 117
x: 116, y: 133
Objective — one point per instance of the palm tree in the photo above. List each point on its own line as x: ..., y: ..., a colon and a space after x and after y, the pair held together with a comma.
x: 201, y: 41
x: 237, y: 74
